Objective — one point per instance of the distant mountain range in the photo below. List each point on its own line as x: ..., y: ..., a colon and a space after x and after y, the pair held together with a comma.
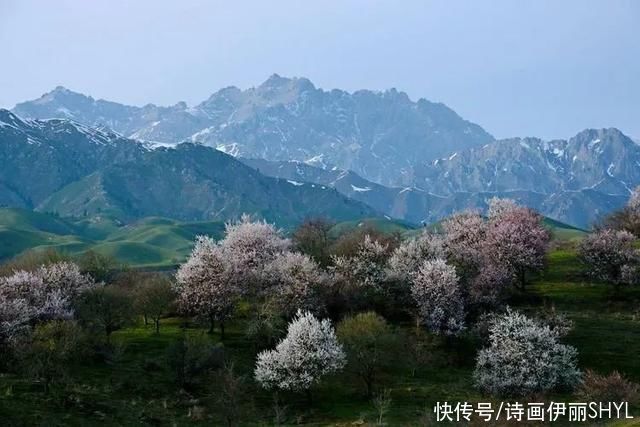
x: 575, y: 181
x: 378, y: 135
x: 416, y: 161
x: 70, y: 169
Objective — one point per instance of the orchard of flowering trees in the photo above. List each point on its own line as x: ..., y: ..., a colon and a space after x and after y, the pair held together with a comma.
x: 356, y: 309
x: 445, y: 279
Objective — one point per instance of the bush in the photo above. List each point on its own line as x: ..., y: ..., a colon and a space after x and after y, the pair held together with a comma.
x: 46, y: 355
x: 102, y: 268
x: 192, y: 356
x: 609, y: 256
x: 523, y: 358
x: 608, y: 388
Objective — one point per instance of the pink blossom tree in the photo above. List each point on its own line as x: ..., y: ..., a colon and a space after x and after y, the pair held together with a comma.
x: 486, y: 290
x: 609, y: 255
x: 464, y: 235
x: 438, y: 297
x: 516, y: 240
x: 499, y: 206
x: 204, y: 285
x: 295, y: 282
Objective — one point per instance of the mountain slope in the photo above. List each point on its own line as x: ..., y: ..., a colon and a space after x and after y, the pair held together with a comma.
x: 379, y: 135
x: 61, y: 166
x: 576, y: 180
x: 603, y: 160
x: 530, y: 171
x: 40, y: 157
x: 151, y: 122
x: 192, y: 182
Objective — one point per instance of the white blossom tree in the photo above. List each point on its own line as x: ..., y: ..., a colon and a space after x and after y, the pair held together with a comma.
x: 15, y: 315
x: 309, y: 352
x: 367, y: 268
x: 27, y: 297
x: 248, y: 247
x: 66, y: 278
x: 524, y: 357
x: 407, y: 258
x: 609, y: 255
x: 204, y: 285
x: 438, y: 297
x: 295, y: 282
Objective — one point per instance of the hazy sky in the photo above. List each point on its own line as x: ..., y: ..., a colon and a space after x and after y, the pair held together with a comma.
x: 517, y: 68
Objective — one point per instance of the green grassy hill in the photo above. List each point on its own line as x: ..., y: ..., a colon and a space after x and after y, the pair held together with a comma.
x: 155, y: 241
x: 149, y: 242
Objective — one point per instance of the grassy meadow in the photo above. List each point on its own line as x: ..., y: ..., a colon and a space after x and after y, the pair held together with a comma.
x: 136, y: 389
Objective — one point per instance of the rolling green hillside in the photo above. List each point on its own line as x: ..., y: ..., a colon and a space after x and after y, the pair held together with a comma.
x: 154, y: 241
x: 149, y: 242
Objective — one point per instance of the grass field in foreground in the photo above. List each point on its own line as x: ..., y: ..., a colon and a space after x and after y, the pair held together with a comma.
x: 137, y: 390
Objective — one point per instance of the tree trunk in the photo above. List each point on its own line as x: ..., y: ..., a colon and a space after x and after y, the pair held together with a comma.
x: 369, y: 384
x: 157, y: 322
x: 523, y: 278
x: 212, y: 323
x: 146, y: 319
x: 222, y: 331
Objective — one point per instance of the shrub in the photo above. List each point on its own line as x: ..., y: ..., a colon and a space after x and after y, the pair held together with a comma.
x: 266, y: 325
x: 609, y: 255
x: 312, y: 238
x: 46, y: 354
x: 607, y: 388
x: 191, y: 357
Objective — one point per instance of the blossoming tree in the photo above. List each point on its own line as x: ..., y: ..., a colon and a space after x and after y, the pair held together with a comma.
x: 309, y: 352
